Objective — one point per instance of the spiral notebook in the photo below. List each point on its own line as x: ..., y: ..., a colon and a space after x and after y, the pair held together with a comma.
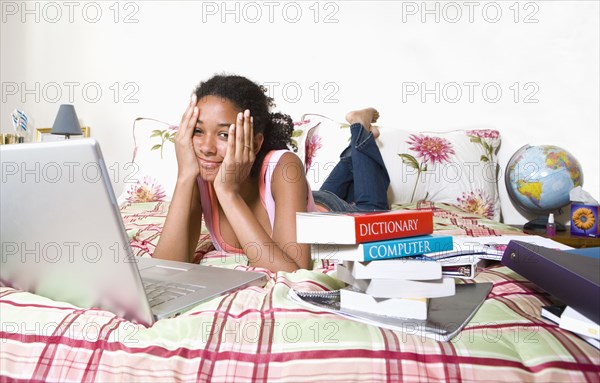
x: 445, y: 318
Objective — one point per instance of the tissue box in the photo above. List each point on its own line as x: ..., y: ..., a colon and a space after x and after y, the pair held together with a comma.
x: 584, y: 220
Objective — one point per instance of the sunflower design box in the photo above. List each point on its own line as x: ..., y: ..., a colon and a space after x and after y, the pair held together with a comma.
x: 584, y: 220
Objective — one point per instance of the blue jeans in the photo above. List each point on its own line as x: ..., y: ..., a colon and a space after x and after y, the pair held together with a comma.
x: 360, y: 180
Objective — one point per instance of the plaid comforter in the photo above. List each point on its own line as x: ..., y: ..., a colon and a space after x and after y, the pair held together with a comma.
x: 258, y: 335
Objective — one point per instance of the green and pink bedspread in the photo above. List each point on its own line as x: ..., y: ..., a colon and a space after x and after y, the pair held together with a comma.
x: 259, y: 335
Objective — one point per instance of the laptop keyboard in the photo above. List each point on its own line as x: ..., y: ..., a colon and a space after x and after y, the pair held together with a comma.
x: 161, y: 292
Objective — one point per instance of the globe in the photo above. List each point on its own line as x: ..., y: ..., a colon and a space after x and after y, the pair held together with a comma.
x: 539, y: 178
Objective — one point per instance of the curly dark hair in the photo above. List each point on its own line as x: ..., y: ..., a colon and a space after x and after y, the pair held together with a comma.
x: 245, y: 94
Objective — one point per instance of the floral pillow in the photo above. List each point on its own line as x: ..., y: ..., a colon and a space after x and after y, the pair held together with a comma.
x: 320, y: 140
x: 457, y: 167
x: 152, y: 173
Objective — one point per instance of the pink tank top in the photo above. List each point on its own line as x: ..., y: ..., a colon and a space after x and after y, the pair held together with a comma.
x: 208, y: 201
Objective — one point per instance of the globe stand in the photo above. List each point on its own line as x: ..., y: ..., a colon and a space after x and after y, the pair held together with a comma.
x: 540, y: 223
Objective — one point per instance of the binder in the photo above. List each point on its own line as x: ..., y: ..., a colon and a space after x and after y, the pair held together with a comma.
x: 572, y: 278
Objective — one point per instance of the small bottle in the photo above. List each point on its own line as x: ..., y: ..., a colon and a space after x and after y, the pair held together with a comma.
x: 551, y: 227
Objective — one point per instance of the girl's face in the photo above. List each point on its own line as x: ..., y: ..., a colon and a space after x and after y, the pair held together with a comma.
x: 215, y: 116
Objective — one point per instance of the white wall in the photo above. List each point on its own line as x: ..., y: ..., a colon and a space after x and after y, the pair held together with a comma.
x: 146, y: 57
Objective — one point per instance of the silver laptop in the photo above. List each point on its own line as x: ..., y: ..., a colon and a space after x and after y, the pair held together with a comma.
x: 62, y: 237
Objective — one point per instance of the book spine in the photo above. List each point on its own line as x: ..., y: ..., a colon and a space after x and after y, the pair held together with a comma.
x: 379, y: 227
x: 404, y: 247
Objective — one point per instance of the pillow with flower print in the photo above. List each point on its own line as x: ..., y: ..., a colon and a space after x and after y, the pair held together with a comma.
x: 151, y: 174
x: 323, y: 139
x: 458, y: 167
x: 305, y: 140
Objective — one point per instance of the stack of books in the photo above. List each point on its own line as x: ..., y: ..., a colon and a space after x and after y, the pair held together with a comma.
x: 382, y: 257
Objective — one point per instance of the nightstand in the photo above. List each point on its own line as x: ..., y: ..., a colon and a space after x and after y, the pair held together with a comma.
x: 565, y: 238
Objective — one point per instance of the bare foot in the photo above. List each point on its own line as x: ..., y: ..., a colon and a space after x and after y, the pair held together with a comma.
x: 364, y: 117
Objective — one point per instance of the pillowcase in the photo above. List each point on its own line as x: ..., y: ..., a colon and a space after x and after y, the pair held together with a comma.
x: 320, y: 141
x: 153, y: 167
x: 458, y: 167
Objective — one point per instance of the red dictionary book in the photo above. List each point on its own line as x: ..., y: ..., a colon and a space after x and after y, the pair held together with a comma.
x: 355, y: 228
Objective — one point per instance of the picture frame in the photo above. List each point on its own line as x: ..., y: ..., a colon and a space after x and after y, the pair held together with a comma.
x: 45, y: 135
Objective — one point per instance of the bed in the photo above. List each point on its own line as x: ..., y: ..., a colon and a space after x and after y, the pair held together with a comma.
x: 259, y: 335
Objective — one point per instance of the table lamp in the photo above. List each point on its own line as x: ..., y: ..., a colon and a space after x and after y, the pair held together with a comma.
x: 66, y: 122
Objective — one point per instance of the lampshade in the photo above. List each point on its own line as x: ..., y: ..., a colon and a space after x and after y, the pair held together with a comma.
x: 66, y: 122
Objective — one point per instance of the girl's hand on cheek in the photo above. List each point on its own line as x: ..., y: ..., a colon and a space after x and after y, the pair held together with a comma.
x: 187, y: 164
x: 239, y: 157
